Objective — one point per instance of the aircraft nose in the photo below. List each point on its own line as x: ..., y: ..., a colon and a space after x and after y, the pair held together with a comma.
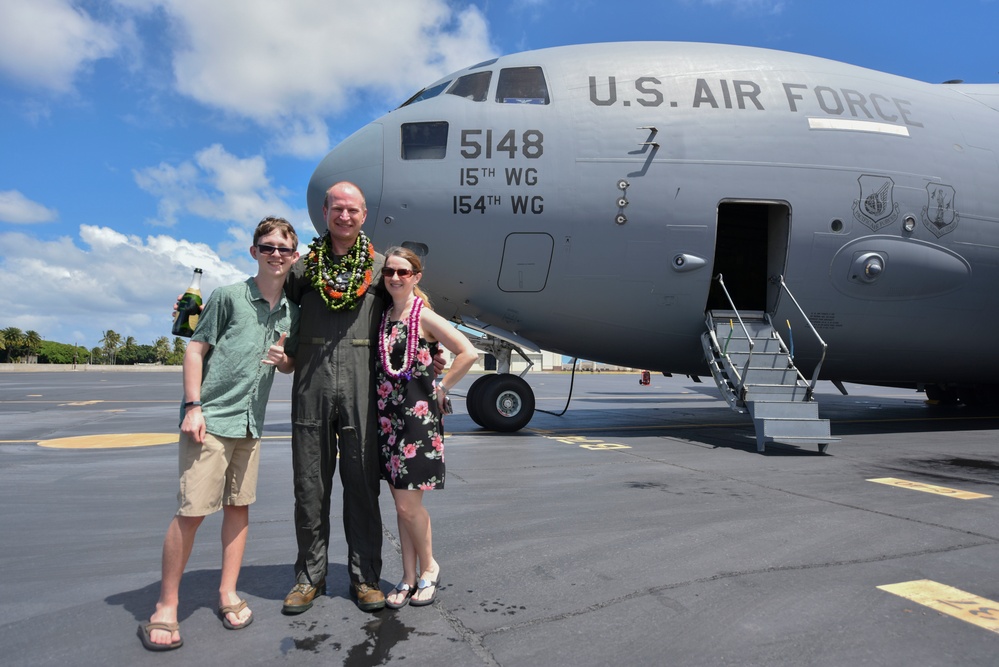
x: 357, y: 159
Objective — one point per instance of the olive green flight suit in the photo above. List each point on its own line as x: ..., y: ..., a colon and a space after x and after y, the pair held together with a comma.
x: 333, y: 410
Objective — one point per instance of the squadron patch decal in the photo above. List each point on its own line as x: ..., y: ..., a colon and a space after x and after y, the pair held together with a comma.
x: 876, y: 207
x: 939, y: 214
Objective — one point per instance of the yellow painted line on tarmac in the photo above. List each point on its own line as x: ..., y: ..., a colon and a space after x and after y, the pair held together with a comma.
x: 117, y: 440
x: 929, y: 488
x: 949, y: 600
x: 110, y: 441
x: 586, y: 443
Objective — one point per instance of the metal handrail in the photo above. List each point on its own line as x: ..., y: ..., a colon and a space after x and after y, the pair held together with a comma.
x: 749, y: 339
x: 815, y: 373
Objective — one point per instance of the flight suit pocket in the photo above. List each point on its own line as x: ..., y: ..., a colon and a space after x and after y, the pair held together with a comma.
x: 306, y: 448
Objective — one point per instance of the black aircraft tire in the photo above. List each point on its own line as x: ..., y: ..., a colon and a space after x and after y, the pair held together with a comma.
x: 942, y: 395
x: 505, y: 403
x: 472, y: 398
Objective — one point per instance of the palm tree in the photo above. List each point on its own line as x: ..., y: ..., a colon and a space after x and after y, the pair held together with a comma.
x: 162, y: 349
x: 129, y: 350
x: 13, y: 339
x: 32, y: 342
x: 111, y: 343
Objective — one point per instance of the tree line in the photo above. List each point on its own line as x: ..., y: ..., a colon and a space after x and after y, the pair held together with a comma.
x: 18, y: 346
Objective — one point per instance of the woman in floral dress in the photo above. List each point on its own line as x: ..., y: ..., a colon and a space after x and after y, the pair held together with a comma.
x: 410, y: 434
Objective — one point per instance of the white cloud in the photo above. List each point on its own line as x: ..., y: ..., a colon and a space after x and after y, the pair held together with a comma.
x: 287, y: 66
x: 46, y: 43
x: 216, y: 185
x: 18, y: 209
x: 70, y: 292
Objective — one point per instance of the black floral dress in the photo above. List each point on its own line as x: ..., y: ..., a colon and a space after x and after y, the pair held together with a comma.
x: 410, y: 433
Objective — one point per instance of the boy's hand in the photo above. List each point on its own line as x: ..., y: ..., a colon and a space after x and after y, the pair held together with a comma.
x: 275, y: 353
x: 194, y: 424
x: 177, y: 303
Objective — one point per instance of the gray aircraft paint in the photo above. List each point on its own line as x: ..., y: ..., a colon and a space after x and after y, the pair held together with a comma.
x: 589, y: 225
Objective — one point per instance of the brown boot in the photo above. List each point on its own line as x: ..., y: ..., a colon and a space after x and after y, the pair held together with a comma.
x: 369, y: 597
x: 300, y: 597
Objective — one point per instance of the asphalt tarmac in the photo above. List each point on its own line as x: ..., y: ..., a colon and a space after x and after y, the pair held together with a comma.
x: 639, y: 528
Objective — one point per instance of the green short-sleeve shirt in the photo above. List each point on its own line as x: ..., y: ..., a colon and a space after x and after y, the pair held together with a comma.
x: 240, y: 326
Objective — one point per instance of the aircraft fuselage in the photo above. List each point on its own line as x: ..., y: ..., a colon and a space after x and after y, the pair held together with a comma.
x: 590, y: 217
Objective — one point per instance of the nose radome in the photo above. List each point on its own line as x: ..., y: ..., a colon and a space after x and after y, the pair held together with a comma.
x: 357, y: 159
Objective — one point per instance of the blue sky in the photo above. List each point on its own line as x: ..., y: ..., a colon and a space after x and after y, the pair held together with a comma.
x: 142, y: 138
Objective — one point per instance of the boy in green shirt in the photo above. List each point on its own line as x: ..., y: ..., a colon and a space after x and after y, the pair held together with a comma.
x: 226, y: 385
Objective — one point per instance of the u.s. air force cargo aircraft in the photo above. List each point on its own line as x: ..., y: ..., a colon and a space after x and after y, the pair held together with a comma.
x: 767, y: 217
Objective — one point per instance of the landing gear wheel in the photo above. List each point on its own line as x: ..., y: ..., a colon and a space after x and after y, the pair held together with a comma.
x: 472, y: 398
x: 942, y: 395
x: 504, y: 403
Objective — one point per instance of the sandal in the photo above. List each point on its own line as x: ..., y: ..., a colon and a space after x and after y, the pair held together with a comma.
x: 234, y: 609
x: 407, y: 592
x: 145, y: 630
x: 423, y: 584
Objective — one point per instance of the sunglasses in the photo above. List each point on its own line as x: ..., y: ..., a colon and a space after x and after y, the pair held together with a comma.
x: 403, y: 273
x: 270, y: 250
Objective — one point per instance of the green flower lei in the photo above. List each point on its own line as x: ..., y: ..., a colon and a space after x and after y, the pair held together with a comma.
x: 341, y: 285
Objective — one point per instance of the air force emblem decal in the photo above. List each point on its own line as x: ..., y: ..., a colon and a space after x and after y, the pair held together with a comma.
x: 939, y: 215
x: 876, y: 207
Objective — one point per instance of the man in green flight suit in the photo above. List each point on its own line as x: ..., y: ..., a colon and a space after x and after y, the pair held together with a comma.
x: 333, y: 404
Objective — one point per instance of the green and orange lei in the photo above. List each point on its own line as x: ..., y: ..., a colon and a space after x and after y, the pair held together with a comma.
x: 340, y: 284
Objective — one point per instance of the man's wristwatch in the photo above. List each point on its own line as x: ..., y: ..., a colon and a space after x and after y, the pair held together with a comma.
x: 190, y: 404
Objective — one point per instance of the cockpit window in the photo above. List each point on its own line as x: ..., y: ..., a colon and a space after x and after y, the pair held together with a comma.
x: 522, y: 85
x: 473, y: 87
x: 424, y: 141
x: 426, y: 94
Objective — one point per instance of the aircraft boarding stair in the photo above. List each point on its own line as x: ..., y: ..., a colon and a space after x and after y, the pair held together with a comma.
x: 755, y: 372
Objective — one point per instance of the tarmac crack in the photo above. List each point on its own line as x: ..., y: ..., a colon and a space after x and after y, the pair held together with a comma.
x: 473, y: 639
x: 597, y: 606
x: 467, y: 635
x: 991, y: 538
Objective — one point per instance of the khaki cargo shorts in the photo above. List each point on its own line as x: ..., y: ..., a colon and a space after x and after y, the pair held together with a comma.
x: 222, y: 471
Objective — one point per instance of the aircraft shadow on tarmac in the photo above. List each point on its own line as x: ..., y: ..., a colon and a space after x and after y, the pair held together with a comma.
x: 715, y: 425
x: 720, y: 427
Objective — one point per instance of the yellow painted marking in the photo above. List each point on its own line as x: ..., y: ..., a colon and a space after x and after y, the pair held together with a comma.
x: 81, y: 403
x: 948, y: 600
x: 586, y: 443
x: 575, y: 440
x: 929, y: 488
x: 110, y: 440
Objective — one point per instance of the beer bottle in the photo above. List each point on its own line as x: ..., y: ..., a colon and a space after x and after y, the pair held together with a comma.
x: 188, y: 308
